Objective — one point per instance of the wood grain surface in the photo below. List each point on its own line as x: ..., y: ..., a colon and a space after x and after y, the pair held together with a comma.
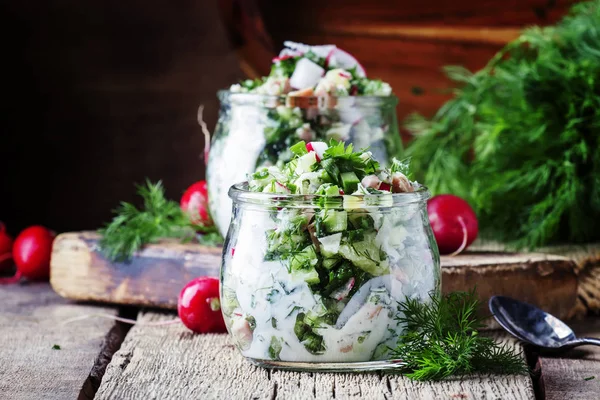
x: 587, y: 268
x: 156, y: 275
x: 170, y: 362
x: 31, y: 323
x: 154, y: 278
x: 576, y: 374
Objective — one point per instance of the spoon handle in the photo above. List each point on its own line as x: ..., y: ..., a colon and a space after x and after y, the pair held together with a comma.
x: 589, y: 340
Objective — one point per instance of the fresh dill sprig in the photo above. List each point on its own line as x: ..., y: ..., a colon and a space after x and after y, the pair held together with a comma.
x: 520, y: 138
x: 132, y: 228
x: 442, y: 339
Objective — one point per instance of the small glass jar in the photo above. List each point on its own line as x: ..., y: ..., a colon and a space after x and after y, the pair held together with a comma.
x: 255, y: 130
x: 312, y: 283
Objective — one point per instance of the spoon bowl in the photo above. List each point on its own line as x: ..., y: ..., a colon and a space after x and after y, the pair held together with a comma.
x: 534, y: 326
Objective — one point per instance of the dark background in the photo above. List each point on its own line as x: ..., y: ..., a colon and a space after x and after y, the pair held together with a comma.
x: 100, y: 95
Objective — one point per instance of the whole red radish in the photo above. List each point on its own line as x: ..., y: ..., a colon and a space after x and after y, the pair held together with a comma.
x: 195, y: 202
x: 31, y: 252
x: 6, y: 243
x: 199, y: 307
x: 453, y: 221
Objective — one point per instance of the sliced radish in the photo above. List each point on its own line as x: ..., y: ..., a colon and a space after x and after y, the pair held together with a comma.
x: 305, y: 162
x: 318, y: 147
x: 342, y: 59
x: 282, y: 187
x: 343, y: 292
x: 306, y: 74
x: 285, y: 54
x: 400, y: 183
x: 384, y: 186
x: 370, y: 181
x: 321, y: 51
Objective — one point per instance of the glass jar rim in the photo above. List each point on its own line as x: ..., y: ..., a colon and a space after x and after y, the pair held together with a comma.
x: 239, y: 193
x: 322, y: 102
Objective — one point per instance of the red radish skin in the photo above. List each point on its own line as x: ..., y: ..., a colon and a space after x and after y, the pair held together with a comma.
x: 453, y: 222
x: 199, y: 307
x: 195, y: 202
x: 319, y: 148
x: 6, y: 243
x: 31, y: 252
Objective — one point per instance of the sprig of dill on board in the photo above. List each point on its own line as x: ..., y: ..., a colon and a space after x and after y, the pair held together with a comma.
x: 158, y: 218
x: 520, y: 139
x: 442, y: 339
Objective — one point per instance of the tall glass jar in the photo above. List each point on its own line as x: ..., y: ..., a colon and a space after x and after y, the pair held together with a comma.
x: 255, y: 130
x: 312, y: 283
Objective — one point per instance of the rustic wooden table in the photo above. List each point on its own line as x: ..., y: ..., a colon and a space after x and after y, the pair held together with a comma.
x: 44, y: 358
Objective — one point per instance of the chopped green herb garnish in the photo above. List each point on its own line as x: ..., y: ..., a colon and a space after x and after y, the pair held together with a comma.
x: 56, y: 347
x: 589, y: 378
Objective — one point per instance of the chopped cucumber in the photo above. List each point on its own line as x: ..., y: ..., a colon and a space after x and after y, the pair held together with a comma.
x: 361, y: 220
x: 303, y: 265
x: 330, y: 245
x: 306, y: 259
x: 328, y: 189
x: 305, y: 163
x: 366, y: 255
x: 333, y: 221
x: 332, y: 169
x: 299, y: 148
x: 330, y: 262
x: 349, y: 181
x: 310, y: 276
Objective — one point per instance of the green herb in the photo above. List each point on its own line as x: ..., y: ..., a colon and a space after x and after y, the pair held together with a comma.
x: 304, y: 330
x: 275, y: 348
x: 211, y: 239
x: 132, y: 228
x: 251, y: 322
x: 589, y: 378
x: 56, y: 347
x: 442, y: 339
x: 520, y: 138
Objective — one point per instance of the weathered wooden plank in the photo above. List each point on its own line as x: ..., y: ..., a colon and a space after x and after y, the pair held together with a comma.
x: 587, y: 263
x: 31, y: 317
x: 575, y: 374
x: 170, y: 362
x: 156, y: 275
x: 154, y: 278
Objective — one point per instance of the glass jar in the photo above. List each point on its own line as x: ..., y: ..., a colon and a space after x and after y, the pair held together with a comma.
x: 255, y: 130
x: 312, y: 283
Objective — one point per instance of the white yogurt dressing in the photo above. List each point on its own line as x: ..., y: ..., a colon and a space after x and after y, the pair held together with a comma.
x: 271, y: 295
x: 233, y: 156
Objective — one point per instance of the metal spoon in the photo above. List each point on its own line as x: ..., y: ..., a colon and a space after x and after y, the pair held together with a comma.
x: 532, y: 325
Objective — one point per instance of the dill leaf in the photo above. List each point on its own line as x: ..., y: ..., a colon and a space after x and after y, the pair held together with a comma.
x: 519, y: 140
x: 132, y: 228
x: 442, y: 339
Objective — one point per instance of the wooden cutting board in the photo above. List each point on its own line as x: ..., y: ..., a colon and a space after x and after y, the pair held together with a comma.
x: 156, y: 275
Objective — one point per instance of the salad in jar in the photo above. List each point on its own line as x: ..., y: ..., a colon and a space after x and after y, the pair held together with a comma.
x: 312, y: 93
x: 320, y: 251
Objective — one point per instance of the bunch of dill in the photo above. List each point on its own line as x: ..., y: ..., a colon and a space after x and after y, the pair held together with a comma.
x: 442, y: 339
x: 131, y: 228
x: 519, y: 140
